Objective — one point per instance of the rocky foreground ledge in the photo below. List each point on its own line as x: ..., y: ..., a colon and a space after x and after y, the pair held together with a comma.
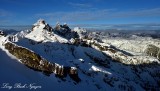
x: 36, y: 62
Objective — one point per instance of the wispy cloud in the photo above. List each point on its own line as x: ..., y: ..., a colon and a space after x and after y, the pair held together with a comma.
x: 5, y: 17
x: 100, y: 14
x: 80, y: 5
x: 137, y: 13
x: 4, y: 21
x: 75, y: 16
x: 4, y: 13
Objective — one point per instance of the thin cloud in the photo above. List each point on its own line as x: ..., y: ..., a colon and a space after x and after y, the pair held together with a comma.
x: 137, y: 13
x: 75, y: 16
x: 4, y: 21
x: 80, y: 5
x: 4, y: 13
x: 5, y: 17
x: 100, y: 14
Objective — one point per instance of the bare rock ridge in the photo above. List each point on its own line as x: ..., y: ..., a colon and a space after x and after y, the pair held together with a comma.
x: 36, y: 62
x: 65, y: 31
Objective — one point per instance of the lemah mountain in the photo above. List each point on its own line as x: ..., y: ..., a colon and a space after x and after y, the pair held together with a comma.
x: 63, y: 59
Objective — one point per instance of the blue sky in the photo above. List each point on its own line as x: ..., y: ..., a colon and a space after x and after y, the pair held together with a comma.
x: 26, y: 12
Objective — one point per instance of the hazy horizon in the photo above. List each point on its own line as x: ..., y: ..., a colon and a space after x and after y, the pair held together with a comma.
x: 94, y: 26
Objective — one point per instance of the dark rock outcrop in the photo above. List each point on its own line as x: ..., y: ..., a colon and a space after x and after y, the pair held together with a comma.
x: 65, y: 31
x: 2, y: 33
x: 153, y: 50
x: 62, y: 29
x: 48, y: 27
x: 36, y: 62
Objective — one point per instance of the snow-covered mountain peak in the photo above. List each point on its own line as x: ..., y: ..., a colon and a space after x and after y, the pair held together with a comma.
x: 40, y: 21
x: 38, y: 32
x: 78, y: 29
x: 42, y: 32
x: 81, y: 32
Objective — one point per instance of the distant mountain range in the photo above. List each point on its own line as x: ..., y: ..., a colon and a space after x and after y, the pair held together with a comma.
x: 98, y: 26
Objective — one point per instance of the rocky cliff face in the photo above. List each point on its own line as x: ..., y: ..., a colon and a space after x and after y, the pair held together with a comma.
x: 36, y: 62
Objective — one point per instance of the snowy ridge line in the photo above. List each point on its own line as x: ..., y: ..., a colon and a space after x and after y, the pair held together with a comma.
x: 137, y: 45
x: 123, y: 58
x: 36, y: 62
